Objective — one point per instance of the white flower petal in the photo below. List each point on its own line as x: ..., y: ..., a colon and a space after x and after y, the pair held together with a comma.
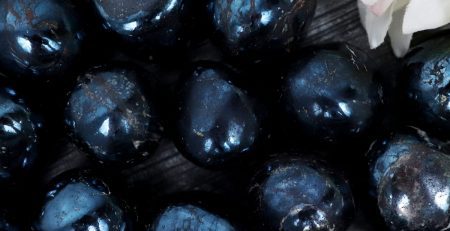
x: 369, y: 2
x: 399, y: 4
x: 400, y: 42
x: 426, y: 14
x: 376, y: 26
x: 380, y: 7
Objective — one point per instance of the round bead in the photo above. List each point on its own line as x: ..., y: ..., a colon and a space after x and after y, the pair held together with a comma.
x: 38, y: 37
x: 109, y: 114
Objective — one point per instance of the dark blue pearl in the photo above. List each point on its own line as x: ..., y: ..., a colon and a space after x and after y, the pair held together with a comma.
x: 292, y: 194
x: 385, y: 152
x: 428, y: 77
x: 414, y: 193
x: 330, y: 96
x: 260, y: 26
x: 217, y: 121
x: 189, y: 217
x: 38, y: 37
x: 109, y: 114
x: 81, y: 204
x: 18, y: 137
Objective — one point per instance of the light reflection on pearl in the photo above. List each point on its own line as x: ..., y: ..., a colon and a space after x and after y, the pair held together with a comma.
x: 51, y: 45
x: 9, y: 129
x: 441, y: 199
x: 171, y: 5
x: 266, y: 16
x: 317, y: 109
x: 208, y: 145
x: 25, y: 44
x: 403, y: 206
x: 345, y: 108
x: 103, y: 225
x: 130, y: 26
x: 104, y: 128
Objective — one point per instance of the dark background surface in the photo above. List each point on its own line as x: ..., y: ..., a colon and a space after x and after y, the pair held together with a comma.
x: 167, y: 172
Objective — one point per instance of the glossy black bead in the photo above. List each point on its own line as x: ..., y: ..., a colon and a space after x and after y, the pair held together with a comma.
x: 330, y: 96
x: 38, y: 37
x: 294, y: 194
x: 186, y: 216
x: 109, y: 113
x: 428, y: 78
x: 217, y: 121
x: 157, y: 24
x: 82, y: 203
x: 414, y: 193
x: 260, y: 26
x: 384, y: 152
x: 18, y: 136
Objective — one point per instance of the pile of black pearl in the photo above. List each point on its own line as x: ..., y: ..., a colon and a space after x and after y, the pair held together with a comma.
x: 114, y: 111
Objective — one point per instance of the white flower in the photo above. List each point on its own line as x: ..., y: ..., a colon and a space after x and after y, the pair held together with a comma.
x: 401, y: 18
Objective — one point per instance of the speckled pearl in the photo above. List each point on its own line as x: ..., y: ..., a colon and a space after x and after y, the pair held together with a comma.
x: 293, y: 194
x: 329, y: 95
x: 81, y: 203
x: 189, y: 217
x: 260, y: 26
x: 38, y: 37
x: 155, y: 23
x: 428, y: 76
x: 217, y: 121
x: 109, y: 114
x: 414, y: 193
x: 18, y: 137
x: 384, y: 152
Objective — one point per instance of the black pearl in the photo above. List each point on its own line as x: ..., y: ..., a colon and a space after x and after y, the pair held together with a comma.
x: 384, y: 152
x: 18, y: 136
x: 185, y: 216
x: 157, y: 24
x: 260, y: 26
x: 414, y: 193
x: 330, y: 96
x: 217, y: 121
x: 82, y: 203
x: 427, y: 68
x: 109, y: 114
x: 294, y: 194
x: 38, y: 37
